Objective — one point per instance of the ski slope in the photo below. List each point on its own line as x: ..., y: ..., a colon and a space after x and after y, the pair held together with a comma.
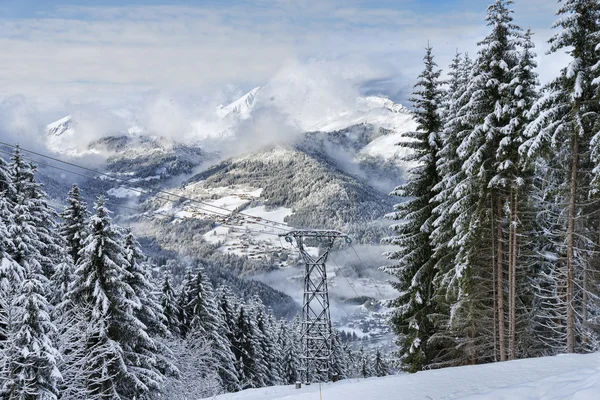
x: 573, y: 377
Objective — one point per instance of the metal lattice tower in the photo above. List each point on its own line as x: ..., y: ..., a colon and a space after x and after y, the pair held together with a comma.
x: 316, y: 320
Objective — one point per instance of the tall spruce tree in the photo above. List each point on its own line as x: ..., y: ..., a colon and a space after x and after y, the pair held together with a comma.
x: 29, y: 192
x: 415, y: 268
x: 450, y: 171
x: 119, y: 354
x: 32, y: 356
x: 480, y: 196
x: 74, y: 225
x: 168, y: 302
x: 564, y: 125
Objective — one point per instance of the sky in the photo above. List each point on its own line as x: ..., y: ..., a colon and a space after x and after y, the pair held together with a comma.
x: 64, y: 54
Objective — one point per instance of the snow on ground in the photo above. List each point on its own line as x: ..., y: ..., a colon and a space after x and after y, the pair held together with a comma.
x: 574, y: 377
x: 122, y: 192
x: 386, y: 147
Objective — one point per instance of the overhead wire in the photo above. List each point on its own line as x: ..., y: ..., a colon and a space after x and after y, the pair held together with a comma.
x: 367, y: 271
x: 141, y: 191
x: 126, y: 182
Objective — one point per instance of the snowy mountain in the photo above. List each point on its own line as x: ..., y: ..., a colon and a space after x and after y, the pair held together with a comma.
x: 240, y: 108
x: 60, y: 127
x: 575, y: 377
x: 337, y: 175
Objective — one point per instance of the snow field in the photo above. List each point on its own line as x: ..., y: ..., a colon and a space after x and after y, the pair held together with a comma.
x: 567, y: 377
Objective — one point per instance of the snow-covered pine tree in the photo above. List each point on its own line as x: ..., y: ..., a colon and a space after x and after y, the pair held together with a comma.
x: 206, y: 323
x: 119, y: 354
x: 339, y: 359
x: 450, y: 171
x: 243, y: 346
x: 32, y: 356
x: 183, y: 300
x: 565, y: 125
x: 480, y: 198
x: 380, y: 367
x: 275, y: 355
x: 289, y: 340
x: 74, y: 223
x: 11, y: 276
x: 73, y: 230
x: 415, y: 262
x: 168, y: 302
x: 50, y: 244
x: 515, y: 173
x: 227, y: 314
x: 364, y: 363
x: 137, y: 276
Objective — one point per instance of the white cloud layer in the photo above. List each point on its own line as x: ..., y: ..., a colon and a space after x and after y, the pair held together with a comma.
x: 172, y: 65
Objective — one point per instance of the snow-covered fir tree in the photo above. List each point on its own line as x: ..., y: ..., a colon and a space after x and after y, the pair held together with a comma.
x: 564, y: 132
x: 380, y: 366
x: 31, y: 356
x: 480, y: 197
x: 27, y: 190
x: 415, y: 268
x: 170, y: 308
x: 120, y: 356
x: 74, y: 225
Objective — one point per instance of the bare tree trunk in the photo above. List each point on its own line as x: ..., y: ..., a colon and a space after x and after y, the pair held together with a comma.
x: 499, y: 283
x: 570, y: 248
x: 510, y: 258
x: 513, y: 278
x: 494, y: 272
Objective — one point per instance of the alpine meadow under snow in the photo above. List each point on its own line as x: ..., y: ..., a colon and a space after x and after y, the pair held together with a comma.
x: 161, y: 271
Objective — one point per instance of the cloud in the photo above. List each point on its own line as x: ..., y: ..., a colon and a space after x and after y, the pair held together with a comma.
x: 112, y: 53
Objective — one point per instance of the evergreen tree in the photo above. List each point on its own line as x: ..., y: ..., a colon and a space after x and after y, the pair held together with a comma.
x: 565, y: 124
x: 28, y: 192
x: 364, y: 363
x: 32, y: 356
x: 415, y: 266
x: 208, y: 324
x: 169, y: 305
x: 450, y: 171
x: 183, y: 301
x: 380, y: 367
x: 74, y: 225
x: 244, y: 349
x: 480, y: 196
x: 120, y: 359
x: 289, y: 339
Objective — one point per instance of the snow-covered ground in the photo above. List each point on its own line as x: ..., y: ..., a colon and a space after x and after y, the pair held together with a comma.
x: 573, y: 377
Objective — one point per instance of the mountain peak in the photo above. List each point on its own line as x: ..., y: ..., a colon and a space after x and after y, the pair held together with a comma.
x: 60, y: 127
x: 240, y: 108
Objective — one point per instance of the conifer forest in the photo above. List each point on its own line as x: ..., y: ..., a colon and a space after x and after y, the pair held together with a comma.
x: 493, y: 248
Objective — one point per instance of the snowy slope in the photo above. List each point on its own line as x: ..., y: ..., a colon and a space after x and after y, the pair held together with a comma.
x: 575, y: 377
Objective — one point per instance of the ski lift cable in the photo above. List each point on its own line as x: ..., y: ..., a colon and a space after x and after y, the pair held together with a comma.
x: 123, y: 181
x: 367, y: 271
x: 339, y: 269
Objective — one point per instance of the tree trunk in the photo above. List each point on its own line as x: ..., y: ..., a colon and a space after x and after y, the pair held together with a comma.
x: 510, y: 272
x: 494, y: 273
x: 513, y: 275
x: 570, y: 248
x: 500, y: 283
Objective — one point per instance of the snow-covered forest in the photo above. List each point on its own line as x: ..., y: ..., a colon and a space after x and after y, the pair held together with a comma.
x: 82, y: 318
x: 495, y: 240
x: 499, y: 236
